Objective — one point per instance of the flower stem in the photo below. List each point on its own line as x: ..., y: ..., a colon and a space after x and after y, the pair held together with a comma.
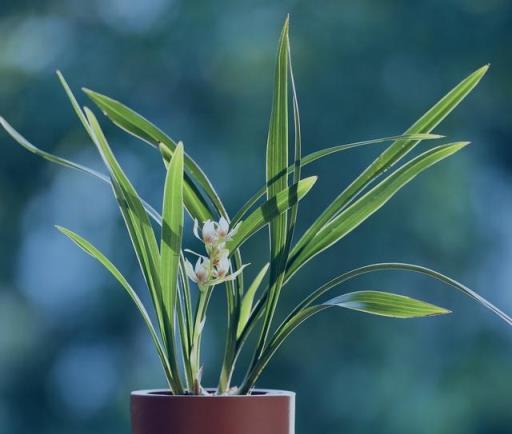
x: 195, y: 352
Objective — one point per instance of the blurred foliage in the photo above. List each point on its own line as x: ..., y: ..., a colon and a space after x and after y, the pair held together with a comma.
x: 203, y: 71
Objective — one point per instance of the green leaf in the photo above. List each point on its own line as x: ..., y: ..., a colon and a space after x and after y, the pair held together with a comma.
x: 136, y: 219
x: 277, y: 179
x: 277, y: 142
x: 308, y: 159
x: 270, y: 209
x: 74, y: 104
x: 314, y: 156
x: 172, y: 233
x: 372, y: 302
x: 170, y: 246
x: 369, y: 203
x: 138, y: 126
x: 100, y: 257
x: 297, y: 165
x: 386, y: 304
x: 397, y: 266
x: 142, y: 235
x: 393, y: 153
x: 131, y: 208
x: 248, y: 300
x: 69, y: 164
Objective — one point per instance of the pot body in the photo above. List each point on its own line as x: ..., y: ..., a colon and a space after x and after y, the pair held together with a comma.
x: 263, y: 412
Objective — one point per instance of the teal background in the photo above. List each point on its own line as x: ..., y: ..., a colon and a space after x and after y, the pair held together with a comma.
x: 72, y: 346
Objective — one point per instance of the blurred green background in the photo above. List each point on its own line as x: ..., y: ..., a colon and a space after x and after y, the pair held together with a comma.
x: 71, y: 345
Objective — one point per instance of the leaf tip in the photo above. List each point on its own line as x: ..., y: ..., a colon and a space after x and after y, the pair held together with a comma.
x: 61, y: 78
x: 438, y: 312
x: 286, y: 26
x: 480, y: 72
x: 88, y: 112
x: 457, y: 146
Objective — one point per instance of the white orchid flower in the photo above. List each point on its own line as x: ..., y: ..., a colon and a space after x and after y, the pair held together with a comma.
x: 222, y: 228
x: 199, y: 274
x: 222, y: 267
x: 205, y: 275
x: 223, y: 232
x: 219, y: 255
x: 215, y: 233
x: 216, y: 267
x: 221, y: 275
x: 232, y: 276
x: 209, y: 233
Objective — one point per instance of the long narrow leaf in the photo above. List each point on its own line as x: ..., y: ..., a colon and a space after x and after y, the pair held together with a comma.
x: 196, y: 205
x: 138, y: 126
x: 394, y: 153
x: 297, y: 165
x: 306, y: 309
x: 170, y: 247
x: 270, y: 209
x: 172, y: 233
x: 69, y: 164
x: 369, y: 203
x: 372, y: 302
x: 277, y: 180
x: 74, y: 103
x: 396, y: 266
x: 385, y: 304
x: 132, y: 209
x: 248, y: 300
x: 314, y: 156
x: 140, y: 231
x: 100, y: 257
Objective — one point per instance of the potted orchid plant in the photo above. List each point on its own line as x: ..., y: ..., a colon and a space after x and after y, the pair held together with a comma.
x: 181, y: 282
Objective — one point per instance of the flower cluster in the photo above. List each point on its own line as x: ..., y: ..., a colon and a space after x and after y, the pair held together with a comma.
x: 214, y: 268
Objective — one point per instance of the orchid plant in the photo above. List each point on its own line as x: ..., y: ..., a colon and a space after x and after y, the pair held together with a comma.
x: 181, y: 282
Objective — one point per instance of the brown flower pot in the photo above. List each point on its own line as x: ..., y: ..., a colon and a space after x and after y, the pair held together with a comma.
x: 263, y: 412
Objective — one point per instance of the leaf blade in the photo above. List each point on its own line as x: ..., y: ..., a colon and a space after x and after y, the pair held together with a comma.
x: 132, y: 207
x: 87, y: 247
x: 138, y: 126
x: 172, y: 233
x: 23, y: 142
x: 386, y: 304
x: 297, y: 165
x: 277, y: 181
x: 396, y: 151
x: 270, y: 209
x: 369, y: 203
x: 317, y: 155
x: 248, y: 300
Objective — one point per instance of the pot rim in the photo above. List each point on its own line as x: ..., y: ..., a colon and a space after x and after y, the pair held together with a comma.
x: 255, y: 394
